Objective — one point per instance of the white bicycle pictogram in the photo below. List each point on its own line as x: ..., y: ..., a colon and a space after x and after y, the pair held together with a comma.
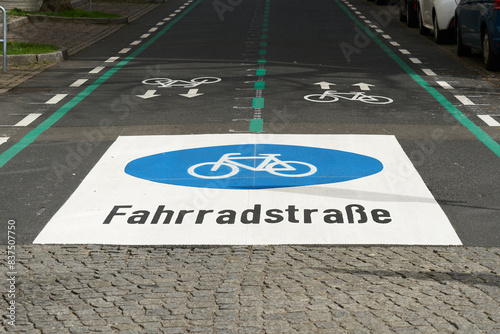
x: 334, y: 96
x: 168, y: 83
x: 229, y: 165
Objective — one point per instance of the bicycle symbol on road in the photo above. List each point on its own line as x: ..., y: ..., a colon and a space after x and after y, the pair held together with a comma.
x: 334, y: 96
x: 229, y: 165
x: 168, y: 83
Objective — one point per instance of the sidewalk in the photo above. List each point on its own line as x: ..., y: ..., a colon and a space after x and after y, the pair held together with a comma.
x: 74, y: 36
x: 260, y: 289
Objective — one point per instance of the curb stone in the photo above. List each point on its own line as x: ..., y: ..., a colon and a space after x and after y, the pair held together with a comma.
x: 27, y: 59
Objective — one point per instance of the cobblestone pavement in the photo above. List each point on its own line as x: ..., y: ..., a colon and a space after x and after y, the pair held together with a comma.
x: 260, y: 289
x: 73, y: 36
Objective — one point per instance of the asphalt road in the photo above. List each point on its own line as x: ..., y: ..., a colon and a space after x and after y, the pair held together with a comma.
x: 266, y: 68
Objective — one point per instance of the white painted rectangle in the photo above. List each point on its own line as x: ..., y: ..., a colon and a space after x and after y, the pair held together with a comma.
x: 78, y: 82
x: 97, y: 70
x: 124, y: 50
x: 415, y: 61
x: 28, y: 119
x: 490, y: 121
x: 112, y: 59
x: 109, y: 192
x: 444, y: 84
x: 3, y: 140
x: 429, y: 72
x: 56, y: 99
x: 464, y: 100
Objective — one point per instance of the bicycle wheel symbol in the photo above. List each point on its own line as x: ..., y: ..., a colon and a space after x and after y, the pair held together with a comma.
x: 205, y: 170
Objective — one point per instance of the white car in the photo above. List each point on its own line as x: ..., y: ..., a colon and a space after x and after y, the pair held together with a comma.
x: 437, y: 16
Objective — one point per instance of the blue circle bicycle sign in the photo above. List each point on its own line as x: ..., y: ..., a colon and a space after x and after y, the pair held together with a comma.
x: 253, y: 166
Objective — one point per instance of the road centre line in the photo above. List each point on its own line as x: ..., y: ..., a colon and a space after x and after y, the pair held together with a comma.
x: 78, y: 82
x: 444, y: 84
x: 56, y: 99
x: 454, y: 111
x: 31, y: 136
x: 464, y: 100
x: 97, y: 70
x: 489, y: 120
x: 28, y: 119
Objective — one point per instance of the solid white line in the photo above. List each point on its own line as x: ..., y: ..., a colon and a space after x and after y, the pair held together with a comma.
x: 3, y: 140
x: 56, y: 99
x: 97, y: 70
x: 489, y: 120
x: 78, y: 83
x: 415, y: 60
x: 125, y: 50
x: 28, y: 119
x: 404, y: 51
x: 145, y: 35
x: 465, y: 101
x: 429, y: 72
x: 136, y: 42
x: 444, y: 84
x: 112, y: 59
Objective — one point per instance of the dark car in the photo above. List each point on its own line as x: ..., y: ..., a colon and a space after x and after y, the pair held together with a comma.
x: 478, y: 29
x: 408, y: 12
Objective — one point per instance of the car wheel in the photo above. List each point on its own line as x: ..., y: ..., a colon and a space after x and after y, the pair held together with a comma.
x: 439, y: 35
x: 411, y: 17
x: 462, y: 50
x: 490, y: 60
x: 421, y: 29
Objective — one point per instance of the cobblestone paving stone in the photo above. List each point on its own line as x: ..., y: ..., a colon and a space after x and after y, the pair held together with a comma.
x: 260, y: 289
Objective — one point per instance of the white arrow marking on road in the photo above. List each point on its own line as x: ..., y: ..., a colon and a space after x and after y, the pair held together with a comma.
x: 324, y: 84
x: 191, y: 93
x: 363, y: 86
x: 149, y: 94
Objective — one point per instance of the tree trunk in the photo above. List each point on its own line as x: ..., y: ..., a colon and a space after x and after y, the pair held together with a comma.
x: 56, y: 5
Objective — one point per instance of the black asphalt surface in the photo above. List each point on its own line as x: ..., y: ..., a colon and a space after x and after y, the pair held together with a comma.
x: 307, y: 42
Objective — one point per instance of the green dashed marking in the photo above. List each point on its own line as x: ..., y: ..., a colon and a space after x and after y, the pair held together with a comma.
x: 260, y: 72
x: 258, y: 103
x: 256, y: 125
x: 259, y: 85
x: 261, y: 61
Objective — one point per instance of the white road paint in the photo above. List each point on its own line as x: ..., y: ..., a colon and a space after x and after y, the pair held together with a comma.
x: 28, y: 119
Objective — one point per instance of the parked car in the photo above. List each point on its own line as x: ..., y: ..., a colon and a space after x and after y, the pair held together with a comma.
x: 437, y: 16
x: 478, y: 28
x: 408, y: 12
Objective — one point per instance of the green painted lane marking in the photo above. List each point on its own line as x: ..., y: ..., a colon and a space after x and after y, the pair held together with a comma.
x: 459, y: 116
x: 261, y: 61
x: 57, y: 115
x: 262, y: 52
x: 260, y: 72
x: 259, y: 85
x: 258, y: 103
x: 256, y: 125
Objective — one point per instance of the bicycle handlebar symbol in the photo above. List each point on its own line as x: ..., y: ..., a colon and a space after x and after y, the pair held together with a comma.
x: 334, y: 96
x: 167, y: 83
x: 228, y: 166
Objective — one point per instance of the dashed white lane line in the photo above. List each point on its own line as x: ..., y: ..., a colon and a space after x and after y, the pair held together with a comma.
x: 153, y: 29
x: 404, y: 51
x: 380, y: 31
x: 465, y: 100
x: 444, y: 84
x: 160, y: 23
x: 387, y: 36
x: 28, y: 119
x: 112, y: 59
x: 3, y: 140
x: 395, y: 44
x: 97, y: 70
x: 415, y: 61
x: 489, y: 120
x: 429, y: 72
x: 145, y: 35
x: 124, y: 50
x: 78, y: 83
x: 56, y: 99
x: 136, y: 42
